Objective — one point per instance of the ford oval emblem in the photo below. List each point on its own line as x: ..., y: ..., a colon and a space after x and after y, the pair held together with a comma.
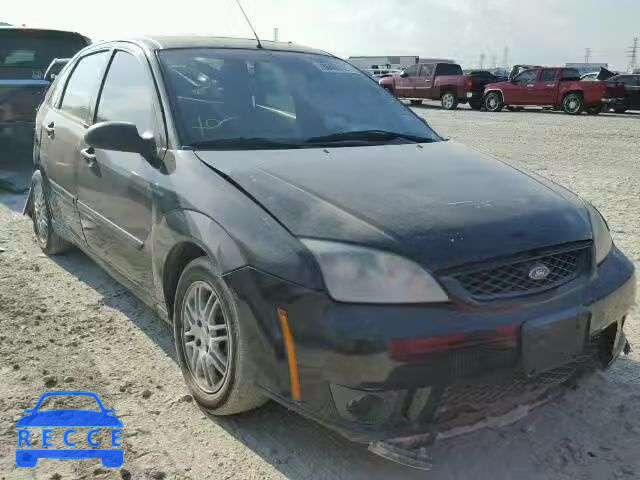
x: 539, y: 272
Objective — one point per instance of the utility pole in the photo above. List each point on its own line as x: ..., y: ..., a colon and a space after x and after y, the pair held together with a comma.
x: 482, y: 57
x: 494, y: 61
x: 275, y: 34
x: 633, y: 55
x: 505, y: 58
x: 587, y: 55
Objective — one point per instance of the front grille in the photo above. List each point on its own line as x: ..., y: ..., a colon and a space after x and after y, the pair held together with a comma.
x: 513, y: 390
x: 513, y: 278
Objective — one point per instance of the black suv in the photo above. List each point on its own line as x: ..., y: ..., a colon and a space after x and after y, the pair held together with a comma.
x: 313, y: 241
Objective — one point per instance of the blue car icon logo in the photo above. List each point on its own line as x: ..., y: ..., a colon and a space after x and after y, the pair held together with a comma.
x: 67, y: 423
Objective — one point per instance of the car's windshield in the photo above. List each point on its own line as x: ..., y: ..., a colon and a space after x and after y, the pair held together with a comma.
x: 32, y: 51
x: 250, y: 98
x: 64, y: 402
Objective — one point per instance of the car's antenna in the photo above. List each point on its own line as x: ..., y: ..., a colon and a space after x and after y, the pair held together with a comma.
x: 250, y: 26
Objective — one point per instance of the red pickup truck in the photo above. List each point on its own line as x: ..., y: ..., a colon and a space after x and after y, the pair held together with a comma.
x: 437, y: 81
x: 557, y: 87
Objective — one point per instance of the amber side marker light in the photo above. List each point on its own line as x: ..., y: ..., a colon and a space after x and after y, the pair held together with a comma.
x: 291, y: 354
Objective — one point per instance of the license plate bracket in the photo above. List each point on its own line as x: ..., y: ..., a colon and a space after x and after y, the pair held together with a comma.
x: 552, y: 341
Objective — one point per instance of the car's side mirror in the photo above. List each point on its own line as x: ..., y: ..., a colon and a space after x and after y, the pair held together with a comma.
x: 404, y: 74
x: 121, y: 137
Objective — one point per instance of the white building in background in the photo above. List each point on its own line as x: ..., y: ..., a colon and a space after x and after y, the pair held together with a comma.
x: 392, y: 62
x: 587, y: 67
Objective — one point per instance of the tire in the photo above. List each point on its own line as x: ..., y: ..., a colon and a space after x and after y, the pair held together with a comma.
x: 594, y: 109
x: 573, y: 104
x: 415, y: 102
x: 221, y: 393
x: 449, y: 101
x: 620, y: 110
x: 493, y: 102
x: 476, y: 104
x: 48, y: 240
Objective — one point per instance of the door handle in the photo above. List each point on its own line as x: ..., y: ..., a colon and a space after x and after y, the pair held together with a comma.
x: 551, y: 85
x: 50, y: 129
x: 531, y: 85
x: 89, y: 156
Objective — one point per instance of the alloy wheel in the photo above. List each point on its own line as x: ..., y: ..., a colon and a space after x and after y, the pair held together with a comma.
x: 205, y: 337
x: 40, y: 216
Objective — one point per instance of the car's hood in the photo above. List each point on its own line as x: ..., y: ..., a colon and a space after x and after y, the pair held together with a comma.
x: 440, y: 204
x: 69, y: 418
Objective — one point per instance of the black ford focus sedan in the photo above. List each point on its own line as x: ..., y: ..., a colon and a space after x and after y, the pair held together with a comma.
x: 314, y: 242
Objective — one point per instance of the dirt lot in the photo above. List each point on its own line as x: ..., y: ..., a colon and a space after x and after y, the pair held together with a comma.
x: 66, y: 325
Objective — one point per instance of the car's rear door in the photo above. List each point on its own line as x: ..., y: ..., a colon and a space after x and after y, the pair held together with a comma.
x: 63, y: 125
x: 114, y: 192
x: 423, y: 83
x: 544, y: 88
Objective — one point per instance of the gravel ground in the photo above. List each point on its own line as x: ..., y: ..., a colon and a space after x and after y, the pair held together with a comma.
x: 66, y: 325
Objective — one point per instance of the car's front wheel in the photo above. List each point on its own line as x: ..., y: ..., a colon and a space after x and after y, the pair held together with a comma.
x: 493, y: 102
x: 211, y: 342
x: 49, y: 241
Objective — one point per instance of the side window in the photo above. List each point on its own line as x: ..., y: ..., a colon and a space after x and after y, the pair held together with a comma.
x: 570, y: 74
x: 526, y: 77
x: 83, y: 85
x: 548, y: 76
x: 426, y: 70
x: 412, y: 71
x: 127, y: 94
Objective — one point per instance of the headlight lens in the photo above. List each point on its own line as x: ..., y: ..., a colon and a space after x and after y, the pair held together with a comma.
x: 362, y: 275
x: 601, y: 236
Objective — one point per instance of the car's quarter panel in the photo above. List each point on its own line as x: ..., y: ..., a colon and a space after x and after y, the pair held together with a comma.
x: 439, y: 204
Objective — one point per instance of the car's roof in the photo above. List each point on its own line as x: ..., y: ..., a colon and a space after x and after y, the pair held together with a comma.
x: 161, y: 42
x: 44, y: 30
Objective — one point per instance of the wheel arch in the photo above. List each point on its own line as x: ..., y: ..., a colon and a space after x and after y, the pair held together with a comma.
x: 182, y: 236
x: 569, y: 92
x: 493, y: 90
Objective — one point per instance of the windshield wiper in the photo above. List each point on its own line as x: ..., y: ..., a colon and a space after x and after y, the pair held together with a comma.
x: 243, y: 143
x: 368, y: 136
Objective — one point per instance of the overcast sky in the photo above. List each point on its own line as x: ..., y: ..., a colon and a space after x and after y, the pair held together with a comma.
x: 535, y: 31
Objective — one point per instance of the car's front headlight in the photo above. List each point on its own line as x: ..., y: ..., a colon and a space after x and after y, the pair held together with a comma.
x: 362, y: 275
x: 601, y: 235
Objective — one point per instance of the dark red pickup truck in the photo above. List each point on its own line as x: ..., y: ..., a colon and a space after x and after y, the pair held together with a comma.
x: 437, y: 81
x: 556, y: 87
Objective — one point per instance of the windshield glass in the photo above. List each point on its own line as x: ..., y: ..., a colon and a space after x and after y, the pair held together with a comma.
x: 236, y: 98
x: 28, y: 53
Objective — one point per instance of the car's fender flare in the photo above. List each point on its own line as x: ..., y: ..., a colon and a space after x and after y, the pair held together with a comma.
x: 183, y: 226
x: 499, y: 90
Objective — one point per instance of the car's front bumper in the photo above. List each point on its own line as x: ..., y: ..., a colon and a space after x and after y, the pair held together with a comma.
x: 360, y: 372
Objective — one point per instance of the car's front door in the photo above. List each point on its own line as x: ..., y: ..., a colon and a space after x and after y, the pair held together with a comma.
x: 516, y: 92
x: 405, y: 83
x: 115, y: 188
x: 544, y: 88
x: 63, y: 125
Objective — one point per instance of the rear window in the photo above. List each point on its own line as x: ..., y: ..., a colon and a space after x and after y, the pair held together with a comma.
x: 570, y: 74
x: 28, y: 53
x: 448, y: 69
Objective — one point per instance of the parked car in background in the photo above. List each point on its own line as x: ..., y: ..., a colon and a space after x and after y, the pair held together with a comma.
x: 590, y: 77
x: 628, y: 87
x: 25, y: 54
x: 313, y: 241
x: 555, y: 87
x: 54, y: 68
x: 437, y: 81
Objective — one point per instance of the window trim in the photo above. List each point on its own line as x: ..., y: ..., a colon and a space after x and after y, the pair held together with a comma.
x: 159, y: 129
x: 417, y: 74
x: 72, y: 68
